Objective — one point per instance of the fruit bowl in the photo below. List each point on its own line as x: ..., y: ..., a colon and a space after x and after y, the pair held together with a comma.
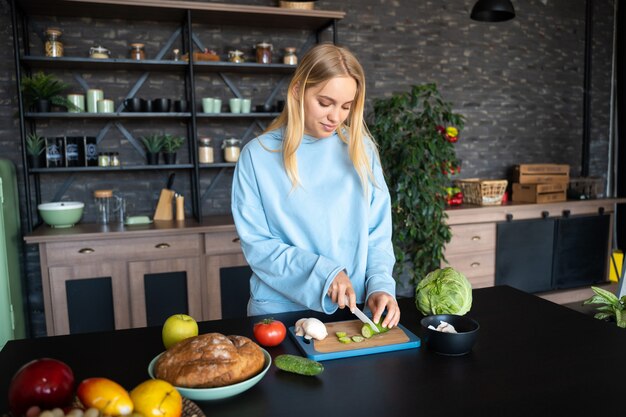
x: 450, y: 343
x: 218, y: 393
x: 61, y: 214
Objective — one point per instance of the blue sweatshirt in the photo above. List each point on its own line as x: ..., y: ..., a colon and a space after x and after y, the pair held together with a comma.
x: 296, y: 240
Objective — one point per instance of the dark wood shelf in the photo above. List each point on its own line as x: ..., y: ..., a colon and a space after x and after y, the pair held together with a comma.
x: 122, y: 168
x: 175, y: 11
x: 120, y: 115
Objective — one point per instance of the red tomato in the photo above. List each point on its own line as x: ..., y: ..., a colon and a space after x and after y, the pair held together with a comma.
x: 270, y: 332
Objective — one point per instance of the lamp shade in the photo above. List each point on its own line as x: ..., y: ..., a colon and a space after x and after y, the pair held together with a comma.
x: 493, y: 11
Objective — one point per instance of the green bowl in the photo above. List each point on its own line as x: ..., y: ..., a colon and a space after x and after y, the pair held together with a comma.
x: 218, y: 393
x: 61, y: 214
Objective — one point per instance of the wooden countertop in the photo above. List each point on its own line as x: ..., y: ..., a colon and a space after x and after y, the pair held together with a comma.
x: 90, y: 231
x: 467, y: 213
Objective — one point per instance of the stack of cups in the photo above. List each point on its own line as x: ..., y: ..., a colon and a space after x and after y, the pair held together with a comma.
x: 211, y: 105
x: 240, y: 105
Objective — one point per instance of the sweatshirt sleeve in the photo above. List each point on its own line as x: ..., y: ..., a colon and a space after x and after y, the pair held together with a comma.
x: 299, y: 275
x: 380, y: 255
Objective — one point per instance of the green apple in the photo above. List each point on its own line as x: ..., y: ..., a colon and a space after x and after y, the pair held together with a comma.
x: 178, y: 327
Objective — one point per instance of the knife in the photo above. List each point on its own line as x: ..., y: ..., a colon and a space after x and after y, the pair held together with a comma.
x: 361, y: 316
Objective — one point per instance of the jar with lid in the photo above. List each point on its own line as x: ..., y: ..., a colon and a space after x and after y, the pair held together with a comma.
x: 104, y: 160
x: 232, y: 148
x: 235, y: 56
x: 115, y: 159
x: 54, y: 46
x: 137, y: 51
x: 205, y: 151
x: 99, y: 52
x: 264, y: 53
x: 290, y: 57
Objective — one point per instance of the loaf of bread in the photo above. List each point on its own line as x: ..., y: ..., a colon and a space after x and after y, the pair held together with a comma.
x: 210, y: 360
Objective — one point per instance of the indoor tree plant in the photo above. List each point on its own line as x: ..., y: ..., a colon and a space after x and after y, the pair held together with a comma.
x: 171, y: 144
x: 153, y: 144
x: 416, y: 154
x: 35, y: 147
x: 43, y: 91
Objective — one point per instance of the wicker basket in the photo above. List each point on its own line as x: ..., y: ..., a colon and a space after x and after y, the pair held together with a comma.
x: 308, y: 5
x: 585, y: 188
x: 482, y: 192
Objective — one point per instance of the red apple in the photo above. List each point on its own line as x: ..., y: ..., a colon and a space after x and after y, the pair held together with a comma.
x: 45, y: 382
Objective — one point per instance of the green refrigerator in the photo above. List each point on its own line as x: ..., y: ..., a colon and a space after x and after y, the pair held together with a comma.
x: 12, y: 313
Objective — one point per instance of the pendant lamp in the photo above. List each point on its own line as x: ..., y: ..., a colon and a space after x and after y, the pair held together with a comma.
x: 493, y: 11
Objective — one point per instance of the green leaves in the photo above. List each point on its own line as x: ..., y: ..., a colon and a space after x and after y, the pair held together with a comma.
x: 413, y: 154
x: 610, y: 306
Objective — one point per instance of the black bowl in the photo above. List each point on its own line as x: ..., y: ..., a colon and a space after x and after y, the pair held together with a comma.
x: 161, y: 105
x: 458, y: 343
x: 132, y: 104
x: 180, y: 106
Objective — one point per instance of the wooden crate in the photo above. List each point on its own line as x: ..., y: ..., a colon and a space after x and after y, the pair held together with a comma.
x: 541, y: 173
x: 539, y: 193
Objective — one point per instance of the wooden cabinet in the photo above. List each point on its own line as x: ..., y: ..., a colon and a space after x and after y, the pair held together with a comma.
x: 472, y: 250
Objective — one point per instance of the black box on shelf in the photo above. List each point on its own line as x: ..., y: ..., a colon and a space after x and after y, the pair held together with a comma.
x: 90, y: 151
x: 74, y: 151
x: 55, y: 152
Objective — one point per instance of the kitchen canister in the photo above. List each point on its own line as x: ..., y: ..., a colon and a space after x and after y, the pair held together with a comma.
x: 77, y: 100
x: 264, y: 53
x: 137, y: 51
x: 290, y: 57
x: 93, y: 95
x: 232, y: 148
x: 105, y: 106
x: 205, y: 151
x: 53, y: 45
x: 99, y: 52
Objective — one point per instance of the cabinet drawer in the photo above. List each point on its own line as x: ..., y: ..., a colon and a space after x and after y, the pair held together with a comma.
x: 222, y: 243
x: 473, y: 264
x: 135, y: 248
x: 471, y: 238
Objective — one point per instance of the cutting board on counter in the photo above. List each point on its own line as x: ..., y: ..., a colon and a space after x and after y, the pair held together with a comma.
x: 398, y: 338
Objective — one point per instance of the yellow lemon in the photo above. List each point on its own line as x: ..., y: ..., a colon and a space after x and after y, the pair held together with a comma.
x: 157, y: 398
x: 106, y: 395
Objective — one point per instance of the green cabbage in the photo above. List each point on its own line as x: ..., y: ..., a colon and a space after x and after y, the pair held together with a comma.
x: 444, y: 291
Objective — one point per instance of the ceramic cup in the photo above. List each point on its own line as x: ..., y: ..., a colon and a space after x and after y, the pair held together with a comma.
x: 78, y: 100
x: 246, y: 104
x: 180, y: 106
x: 105, y: 106
x: 217, y: 105
x: 161, y: 105
x: 132, y: 104
x: 146, y: 105
x: 235, y: 105
x: 207, y: 105
x: 93, y: 95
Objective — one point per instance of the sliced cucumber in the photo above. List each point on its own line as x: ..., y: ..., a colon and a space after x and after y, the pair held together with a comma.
x: 341, y: 334
x: 357, y: 338
x: 345, y: 339
x: 298, y: 365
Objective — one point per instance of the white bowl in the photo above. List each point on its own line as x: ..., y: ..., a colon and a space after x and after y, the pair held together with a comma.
x: 218, y: 393
x: 61, y: 214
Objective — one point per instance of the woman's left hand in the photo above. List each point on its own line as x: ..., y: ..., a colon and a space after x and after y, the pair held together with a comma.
x: 378, y: 302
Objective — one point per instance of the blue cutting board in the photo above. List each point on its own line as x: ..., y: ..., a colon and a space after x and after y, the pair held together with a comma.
x: 398, y: 338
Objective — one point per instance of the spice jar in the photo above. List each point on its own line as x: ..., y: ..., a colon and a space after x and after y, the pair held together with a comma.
x: 290, y: 57
x: 115, y: 159
x: 104, y: 160
x: 264, y: 53
x: 235, y: 56
x: 53, y: 46
x: 137, y: 52
x: 99, y: 52
x: 231, y: 148
x: 205, y: 151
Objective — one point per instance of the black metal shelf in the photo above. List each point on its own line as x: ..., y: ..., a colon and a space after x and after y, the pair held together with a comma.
x: 120, y: 115
x: 264, y: 115
x: 122, y: 168
x: 217, y: 165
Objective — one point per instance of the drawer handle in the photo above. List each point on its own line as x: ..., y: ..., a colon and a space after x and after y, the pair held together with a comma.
x: 235, y: 240
x: 474, y: 264
x: 162, y: 246
x: 86, y: 250
x: 475, y: 238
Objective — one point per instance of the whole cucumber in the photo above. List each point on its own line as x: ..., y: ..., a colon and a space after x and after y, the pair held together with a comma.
x: 298, y: 365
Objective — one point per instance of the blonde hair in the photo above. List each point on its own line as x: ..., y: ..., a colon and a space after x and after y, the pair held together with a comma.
x: 320, y: 64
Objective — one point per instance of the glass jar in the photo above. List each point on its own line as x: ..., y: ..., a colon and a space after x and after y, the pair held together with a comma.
x: 104, y: 160
x: 115, y: 159
x: 176, y: 54
x: 290, y: 57
x: 137, y: 52
x: 99, y: 52
x: 54, y: 46
x: 264, y: 53
x: 205, y: 151
x: 232, y: 148
x: 235, y: 56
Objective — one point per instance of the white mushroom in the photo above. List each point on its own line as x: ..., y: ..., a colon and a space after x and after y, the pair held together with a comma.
x: 311, y: 328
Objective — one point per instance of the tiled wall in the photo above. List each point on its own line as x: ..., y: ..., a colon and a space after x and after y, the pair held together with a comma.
x: 518, y: 83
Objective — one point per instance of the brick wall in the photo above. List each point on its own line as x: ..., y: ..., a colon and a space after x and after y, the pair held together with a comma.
x: 518, y: 83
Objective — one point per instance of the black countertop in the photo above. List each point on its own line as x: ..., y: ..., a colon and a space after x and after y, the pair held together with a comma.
x: 532, y: 357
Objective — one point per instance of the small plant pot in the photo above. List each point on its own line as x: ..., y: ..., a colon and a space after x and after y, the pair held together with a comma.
x: 36, y: 161
x: 169, y: 158
x: 152, y: 158
x: 42, y: 106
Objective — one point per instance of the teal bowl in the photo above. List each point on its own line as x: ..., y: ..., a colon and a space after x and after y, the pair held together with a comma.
x: 218, y: 393
x: 61, y: 214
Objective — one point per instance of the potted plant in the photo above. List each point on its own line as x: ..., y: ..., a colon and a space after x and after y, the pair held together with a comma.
x: 35, y: 147
x: 43, y: 91
x: 171, y: 144
x: 611, y: 308
x: 153, y: 144
x: 414, y: 144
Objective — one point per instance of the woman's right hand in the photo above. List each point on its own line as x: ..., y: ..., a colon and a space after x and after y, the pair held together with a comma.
x: 341, y: 291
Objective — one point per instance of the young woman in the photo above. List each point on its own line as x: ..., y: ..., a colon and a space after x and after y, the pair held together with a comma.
x: 310, y: 202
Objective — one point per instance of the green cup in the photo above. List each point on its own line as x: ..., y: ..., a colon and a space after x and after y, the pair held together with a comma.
x: 93, y: 95
x: 78, y: 100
